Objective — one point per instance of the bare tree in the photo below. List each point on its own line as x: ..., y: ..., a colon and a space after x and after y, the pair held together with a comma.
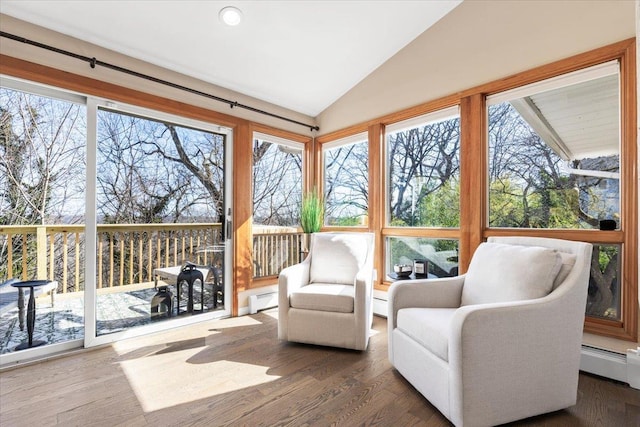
x: 421, y: 161
x: 277, y: 184
x: 42, y: 159
x: 147, y: 169
x: 347, y: 182
x: 42, y: 164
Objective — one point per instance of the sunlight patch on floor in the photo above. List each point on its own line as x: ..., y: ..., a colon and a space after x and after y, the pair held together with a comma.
x: 272, y: 313
x: 156, y: 388
x: 234, y: 322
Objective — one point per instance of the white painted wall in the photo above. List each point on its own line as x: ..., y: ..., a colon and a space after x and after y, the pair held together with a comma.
x: 34, y: 54
x: 479, y: 42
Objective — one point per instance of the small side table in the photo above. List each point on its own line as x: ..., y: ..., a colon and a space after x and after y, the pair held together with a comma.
x: 31, y: 310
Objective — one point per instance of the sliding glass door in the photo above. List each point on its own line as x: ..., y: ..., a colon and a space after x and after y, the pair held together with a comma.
x: 161, y: 213
x: 120, y: 214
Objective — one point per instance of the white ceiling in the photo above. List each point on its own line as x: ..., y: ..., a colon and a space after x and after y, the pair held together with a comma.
x: 301, y: 55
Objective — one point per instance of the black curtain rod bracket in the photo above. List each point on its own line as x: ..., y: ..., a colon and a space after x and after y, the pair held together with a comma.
x: 93, y: 62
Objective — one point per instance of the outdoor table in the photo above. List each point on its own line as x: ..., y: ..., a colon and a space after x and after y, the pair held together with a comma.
x: 31, y: 310
x: 216, y: 252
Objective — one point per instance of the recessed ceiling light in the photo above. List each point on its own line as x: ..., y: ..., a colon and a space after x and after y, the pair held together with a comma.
x: 230, y: 15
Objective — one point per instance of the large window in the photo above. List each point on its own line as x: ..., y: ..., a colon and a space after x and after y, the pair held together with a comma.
x: 554, y: 163
x: 554, y: 152
x: 423, y: 192
x: 277, y: 195
x: 423, y: 165
x: 346, y: 181
x: 42, y: 211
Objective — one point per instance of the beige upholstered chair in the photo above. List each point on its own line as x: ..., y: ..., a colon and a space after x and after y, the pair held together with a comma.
x: 327, y: 299
x: 501, y: 342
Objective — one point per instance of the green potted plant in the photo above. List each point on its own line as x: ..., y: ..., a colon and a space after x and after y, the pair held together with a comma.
x: 312, y: 212
x: 311, y: 216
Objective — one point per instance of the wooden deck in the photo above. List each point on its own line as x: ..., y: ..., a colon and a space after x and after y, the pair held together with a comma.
x: 234, y: 372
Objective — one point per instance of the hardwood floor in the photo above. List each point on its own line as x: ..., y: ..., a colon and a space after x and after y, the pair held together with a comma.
x: 234, y: 372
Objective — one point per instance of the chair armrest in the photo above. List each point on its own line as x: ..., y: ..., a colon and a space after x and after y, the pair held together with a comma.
x: 363, y: 283
x: 290, y: 279
x: 445, y: 292
x: 363, y: 292
x: 534, y: 340
x: 294, y: 277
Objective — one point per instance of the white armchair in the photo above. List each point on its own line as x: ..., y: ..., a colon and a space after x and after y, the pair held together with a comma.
x: 328, y: 298
x: 501, y: 342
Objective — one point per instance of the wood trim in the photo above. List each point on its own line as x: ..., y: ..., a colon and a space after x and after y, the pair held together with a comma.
x: 376, y: 203
x: 435, y: 233
x: 629, y: 116
x: 87, y: 86
x: 582, y: 60
x: 473, y: 172
x: 308, y: 168
x: 343, y: 133
x: 315, y: 172
x: 625, y: 52
x: 383, y: 286
x: 259, y: 282
x: 474, y: 227
x: 242, y: 212
x: 594, y: 236
x: 280, y: 133
x: 629, y: 206
x: 421, y: 109
x: 346, y: 228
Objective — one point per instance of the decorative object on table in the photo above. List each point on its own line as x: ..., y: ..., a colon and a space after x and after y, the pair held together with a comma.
x: 420, y: 268
x: 190, y: 277
x: 311, y: 217
x: 402, y: 270
x: 161, y: 303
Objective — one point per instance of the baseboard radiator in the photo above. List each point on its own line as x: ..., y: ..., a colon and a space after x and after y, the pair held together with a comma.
x: 262, y: 301
x: 610, y: 364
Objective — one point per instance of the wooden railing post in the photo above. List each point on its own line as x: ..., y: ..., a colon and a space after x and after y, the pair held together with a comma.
x: 41, y: 252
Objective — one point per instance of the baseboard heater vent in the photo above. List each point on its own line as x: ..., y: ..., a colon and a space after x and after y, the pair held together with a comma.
x: 605, y: 363
x: 262, y: 301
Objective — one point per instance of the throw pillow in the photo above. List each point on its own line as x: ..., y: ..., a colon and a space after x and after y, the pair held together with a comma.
x: 499, y: 272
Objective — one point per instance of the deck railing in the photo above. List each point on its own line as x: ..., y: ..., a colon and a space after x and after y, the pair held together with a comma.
x: 128, y: 254
x: 275, y: 248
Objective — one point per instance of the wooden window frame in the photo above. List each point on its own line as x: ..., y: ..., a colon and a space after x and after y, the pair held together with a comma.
x: 307, y: 174
x: 243, y: 129
x: 473, y: 152
x: 322, y: 176
x: 473, y: 177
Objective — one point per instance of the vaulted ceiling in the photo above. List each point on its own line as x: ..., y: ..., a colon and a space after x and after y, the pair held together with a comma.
x: 301, y: 55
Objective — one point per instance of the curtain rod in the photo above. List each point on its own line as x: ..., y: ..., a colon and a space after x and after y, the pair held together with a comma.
x: 93, y: 62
